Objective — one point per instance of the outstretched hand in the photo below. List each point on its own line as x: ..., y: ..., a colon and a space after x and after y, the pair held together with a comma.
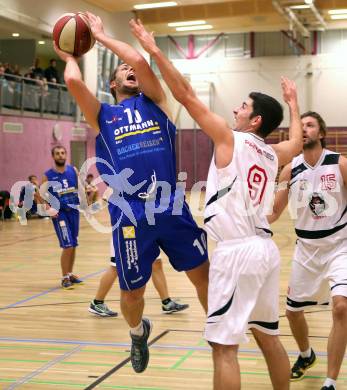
x: 145, y: 38
x: 96, y: 25
x: 289, y: 91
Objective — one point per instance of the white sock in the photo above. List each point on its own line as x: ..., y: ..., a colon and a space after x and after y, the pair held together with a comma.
x: 330, y: 382
x: 307, y: 353
x: 65, y: 276
x: 138, y: 330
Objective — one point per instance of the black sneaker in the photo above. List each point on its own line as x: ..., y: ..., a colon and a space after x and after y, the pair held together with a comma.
x: 139, y: 350
x: 301, y: 366
x: 331, y: 387
x: 101, y: 310
x: 173, y: 307
x: 66, y: 284
x: 75, y: 279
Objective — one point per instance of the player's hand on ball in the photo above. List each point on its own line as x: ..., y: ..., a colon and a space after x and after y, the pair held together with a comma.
x: 96, y: 25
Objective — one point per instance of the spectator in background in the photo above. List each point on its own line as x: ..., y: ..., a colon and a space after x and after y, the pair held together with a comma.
x: 2, y: 72
x: 91, y: 190
x: 8, y: 68
x: 52, y: 72
x: 16, y: 71
x: 26, y: 197
x: 36, y: 71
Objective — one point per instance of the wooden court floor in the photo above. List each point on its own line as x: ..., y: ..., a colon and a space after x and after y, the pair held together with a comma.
x: 48, y: 339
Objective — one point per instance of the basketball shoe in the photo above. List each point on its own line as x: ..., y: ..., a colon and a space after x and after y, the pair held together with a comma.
x: 302, y: 365
x: 139, y: 353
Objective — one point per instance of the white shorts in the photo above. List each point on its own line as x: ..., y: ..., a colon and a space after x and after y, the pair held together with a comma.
x: 243, y: 290
x: 317, y: 274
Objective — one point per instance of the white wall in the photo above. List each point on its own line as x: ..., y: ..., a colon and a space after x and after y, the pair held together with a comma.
x: 325, y: 90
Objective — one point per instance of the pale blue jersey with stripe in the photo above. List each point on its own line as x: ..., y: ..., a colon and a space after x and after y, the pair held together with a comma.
x: 65, y: 188
x: 136, y: 134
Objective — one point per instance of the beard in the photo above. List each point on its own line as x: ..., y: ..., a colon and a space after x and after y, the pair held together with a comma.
x: 59, y: 163
x: 311, y: 144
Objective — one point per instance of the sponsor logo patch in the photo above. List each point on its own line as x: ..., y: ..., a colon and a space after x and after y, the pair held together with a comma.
x: 129, y: 232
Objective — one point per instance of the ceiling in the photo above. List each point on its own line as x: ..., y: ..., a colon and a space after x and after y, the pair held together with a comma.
x: 227, y: 15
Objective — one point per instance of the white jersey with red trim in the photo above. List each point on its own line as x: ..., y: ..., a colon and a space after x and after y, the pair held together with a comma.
x: 239, y: 196
x: 318, y: 200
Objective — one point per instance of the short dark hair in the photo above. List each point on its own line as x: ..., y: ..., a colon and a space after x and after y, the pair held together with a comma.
x: 31, y: 176
x: 321, y: 123
x: 90, y: 175
x: 57, y: 147
x: 269, y: 109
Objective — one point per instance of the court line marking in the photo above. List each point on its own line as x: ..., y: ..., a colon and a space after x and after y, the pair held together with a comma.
x: 26, y: 239
x: 88, y: 302
x: 123, y: 363
x: 147, y: 298
x: 43, y: 368
x: 34, y: 238
x: 127, y: 345
x: 47, y: 292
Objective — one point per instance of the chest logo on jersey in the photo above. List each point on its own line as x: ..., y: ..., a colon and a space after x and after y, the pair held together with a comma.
x: 317, y: 204
x: 113, y: 120
x: 134, y: 125
x: 303, y: 184
x: 259, y: 150
x: 328, y: 182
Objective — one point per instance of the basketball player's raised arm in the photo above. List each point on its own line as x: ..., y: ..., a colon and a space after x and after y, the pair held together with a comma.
x: 281, y: 195
x: 212, y: 124
x: 86, y: 100
x: 286, y: 150
x: 148, y: 81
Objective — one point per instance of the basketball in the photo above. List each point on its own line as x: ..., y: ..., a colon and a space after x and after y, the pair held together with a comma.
x: 72, y: 34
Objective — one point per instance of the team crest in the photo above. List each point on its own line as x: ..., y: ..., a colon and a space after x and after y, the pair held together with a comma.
x: 128, y: 232
x: 317, y: 204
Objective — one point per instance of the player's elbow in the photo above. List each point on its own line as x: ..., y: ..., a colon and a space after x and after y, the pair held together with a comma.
x: 296, y: 147
x: 184, y: 95
x: 139, y: 62
x: 72, y: 81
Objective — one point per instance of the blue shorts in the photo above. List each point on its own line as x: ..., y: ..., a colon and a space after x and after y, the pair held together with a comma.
x: 66, y: 226
x: 136, y: 248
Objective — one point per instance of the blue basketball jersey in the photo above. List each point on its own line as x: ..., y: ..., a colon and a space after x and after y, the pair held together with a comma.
x: 66, y: 188
x: 137, y: 134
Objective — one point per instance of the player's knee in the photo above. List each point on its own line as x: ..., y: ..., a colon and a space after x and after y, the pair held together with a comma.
x: 157, y: 265
x: 293, y: 315
x: 221, y: 351
x: 132, y: 297
x: 69, y: 249
x: 340, y: 309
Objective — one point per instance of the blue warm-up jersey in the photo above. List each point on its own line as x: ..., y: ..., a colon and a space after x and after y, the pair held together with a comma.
x: 67, y: 190
x: 136, y: 134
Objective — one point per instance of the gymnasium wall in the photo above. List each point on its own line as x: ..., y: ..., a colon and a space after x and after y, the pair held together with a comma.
x: 29, y: 152
x: 321, y: 82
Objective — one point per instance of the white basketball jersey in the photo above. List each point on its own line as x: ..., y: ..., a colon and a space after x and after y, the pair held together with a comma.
x: 239, y: 196
x: 318, y: 200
